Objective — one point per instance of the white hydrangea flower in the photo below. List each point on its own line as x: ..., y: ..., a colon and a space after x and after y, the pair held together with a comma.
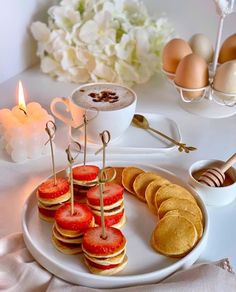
x: 127, y: 73
x: 104, y: 72
x: 48, y: 65
x: 71, y: 3
x: 65, y: 17
x: 40, y: 31
x: 98, y: 30
x: 86, y: 59
x: 110, y: 40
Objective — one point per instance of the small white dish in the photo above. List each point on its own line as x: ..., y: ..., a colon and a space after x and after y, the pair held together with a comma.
x: 136, y: 140
x: 213, y: 196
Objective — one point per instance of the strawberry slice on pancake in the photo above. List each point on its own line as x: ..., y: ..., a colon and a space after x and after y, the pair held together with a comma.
x: 49, y: 190
x: 79, y: 221
x: 104, y: 256
x: 94, y: 244
x: 85, y: 174
x: 50, y: 197
x: 69, y: 228
x: 112, y: 193
x: 110, y: 220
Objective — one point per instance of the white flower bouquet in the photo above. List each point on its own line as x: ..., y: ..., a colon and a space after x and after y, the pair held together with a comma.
x: 101, y: 40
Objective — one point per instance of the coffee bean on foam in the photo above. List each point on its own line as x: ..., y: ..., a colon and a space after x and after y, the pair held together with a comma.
x: 107, y: 98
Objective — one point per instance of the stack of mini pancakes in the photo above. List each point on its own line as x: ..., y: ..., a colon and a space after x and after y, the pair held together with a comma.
x: 68, y: 229
x: 51, y: 196
x: 113, y: 201
x: 84, y: 176
x: 104, y: 256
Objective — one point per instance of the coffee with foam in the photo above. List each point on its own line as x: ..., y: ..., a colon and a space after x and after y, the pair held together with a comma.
x: 107, y: 97
x: 107, y: 106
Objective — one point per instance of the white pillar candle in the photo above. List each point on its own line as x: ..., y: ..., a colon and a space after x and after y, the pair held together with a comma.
x: 22, y: 129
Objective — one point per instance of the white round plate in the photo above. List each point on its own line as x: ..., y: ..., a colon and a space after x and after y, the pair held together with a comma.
x: 144, y: 264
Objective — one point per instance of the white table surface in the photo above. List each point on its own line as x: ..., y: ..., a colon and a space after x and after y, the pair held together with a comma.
x: 214, y: 138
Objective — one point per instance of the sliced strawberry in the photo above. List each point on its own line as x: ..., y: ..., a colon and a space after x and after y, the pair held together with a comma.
x: 112, y: 193
x: 79, y: 221
x: 94, y: 243
x: 80, y: 190
x: 109, y: 220
x: 101, y: 267
x: 49, y: 190
x: 47, y: 213
x: 85, y: 172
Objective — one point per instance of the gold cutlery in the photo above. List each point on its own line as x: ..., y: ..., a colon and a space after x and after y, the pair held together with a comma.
x: 141, y: 122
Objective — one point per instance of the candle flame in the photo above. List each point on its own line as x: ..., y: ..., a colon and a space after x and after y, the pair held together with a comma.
x: 21, y: 97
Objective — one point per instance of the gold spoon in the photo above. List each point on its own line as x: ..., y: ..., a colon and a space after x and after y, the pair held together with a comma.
x: 141, y: 122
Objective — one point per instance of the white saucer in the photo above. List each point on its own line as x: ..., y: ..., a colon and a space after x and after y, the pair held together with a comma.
x: 136, y: 140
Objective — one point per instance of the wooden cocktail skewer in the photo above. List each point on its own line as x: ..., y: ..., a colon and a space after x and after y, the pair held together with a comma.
x: 105, y: 137
x: 71, y: 160
x: 85, y: 137
x: 84, y: 124
x: 214, y: 177
x: 51, y: 133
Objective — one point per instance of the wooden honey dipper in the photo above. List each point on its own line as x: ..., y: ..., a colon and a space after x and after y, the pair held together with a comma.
x: 215, y: 176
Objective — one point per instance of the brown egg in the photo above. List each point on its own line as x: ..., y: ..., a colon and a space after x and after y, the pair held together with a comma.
x: 228, y: 50
x: 192, y: 73
x: 174, y: 51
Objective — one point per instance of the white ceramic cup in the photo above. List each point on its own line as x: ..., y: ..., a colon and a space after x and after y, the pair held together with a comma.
x: 213, y: 196
x: 116, y: 119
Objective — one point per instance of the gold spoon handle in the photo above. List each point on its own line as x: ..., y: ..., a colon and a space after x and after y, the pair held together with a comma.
x: 182, y: 146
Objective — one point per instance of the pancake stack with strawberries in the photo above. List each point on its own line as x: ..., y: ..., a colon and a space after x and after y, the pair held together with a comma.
x: 113, y: 201
x: 104, y: 256
x: 68, y: 229
x: 51, y: 196
x: 84, y: 176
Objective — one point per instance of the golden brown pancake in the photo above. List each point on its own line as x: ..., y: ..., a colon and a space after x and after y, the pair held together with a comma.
x: 49, y: 207
x: 54, y: 201
x: 189, y: 216
x: 71, y: 233
x: 108, y: 207
x: 46, y: 218
x: 113, y: 211
x: 118, y: 259
x: 172, y: 191
x: 85, y: 183
x: 141, y: 182
x: 66, y: 248
x: 151, y: 190
x: 179, y: 204
x: 66, y: 239
x: 107, y: 272
x: 128, y: 176
x: 174, y: 236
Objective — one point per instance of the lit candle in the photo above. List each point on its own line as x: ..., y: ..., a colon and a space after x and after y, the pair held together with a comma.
x: 22, y: 129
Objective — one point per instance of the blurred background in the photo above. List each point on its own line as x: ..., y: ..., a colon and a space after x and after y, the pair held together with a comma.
x: 17, y: 47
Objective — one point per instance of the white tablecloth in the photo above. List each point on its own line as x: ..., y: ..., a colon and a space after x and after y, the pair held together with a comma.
x: 20, y: 272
